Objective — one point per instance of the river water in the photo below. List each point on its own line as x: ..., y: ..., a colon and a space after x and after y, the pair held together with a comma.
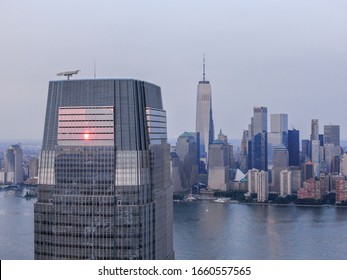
x: 208, y: 230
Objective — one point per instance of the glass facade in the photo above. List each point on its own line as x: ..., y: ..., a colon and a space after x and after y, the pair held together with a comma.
x: 104, y: 183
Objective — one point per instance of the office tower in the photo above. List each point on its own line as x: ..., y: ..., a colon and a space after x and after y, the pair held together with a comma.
x: 104, y: 178
x: 314, y: 130
x: 204, y: 120
x: 315, y: 146
x: 218, y: 166
x: 178, y: 179
x: 331, y: 152
x: 308, y: 170
x: 321, y: 139
x: 258, y: 183
x: 231, y: 158
x: 33, y: 167
x: 294, y: 147
x: 316, y: 156
x: 257, y: 144
x: 14, y: 164
x: 244, y: 152
x: 332, y: 134
x: 259, y: 120
x: 305, y: 150
x: 278, y: 134
x: 280, y: 162
x: 188, y: 154
x: 296, y: 178
x: 279, y: 123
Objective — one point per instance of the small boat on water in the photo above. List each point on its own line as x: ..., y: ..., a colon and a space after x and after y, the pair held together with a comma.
x: 221, y: 200
x: 190, y: 197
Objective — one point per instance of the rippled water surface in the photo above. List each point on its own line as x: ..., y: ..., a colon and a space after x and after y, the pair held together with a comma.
x: 207, y: 230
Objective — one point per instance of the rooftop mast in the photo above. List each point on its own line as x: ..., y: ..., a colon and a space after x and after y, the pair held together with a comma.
x: 203, y: 69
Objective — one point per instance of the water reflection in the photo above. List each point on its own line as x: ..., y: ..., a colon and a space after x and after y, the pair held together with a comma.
x: 240, y: 231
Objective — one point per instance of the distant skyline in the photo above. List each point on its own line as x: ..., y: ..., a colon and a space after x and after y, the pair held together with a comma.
x: 289, y: 56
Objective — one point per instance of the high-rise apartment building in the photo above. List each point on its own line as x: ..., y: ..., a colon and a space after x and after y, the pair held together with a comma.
x: 104, y: 179
x: 285, y: 183
x: 258, y: 183
x: 204, y: 120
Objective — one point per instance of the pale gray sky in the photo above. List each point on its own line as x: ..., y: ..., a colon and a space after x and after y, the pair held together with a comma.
x: 287, y: 55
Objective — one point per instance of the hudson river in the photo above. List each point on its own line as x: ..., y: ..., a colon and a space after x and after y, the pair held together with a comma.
x: 208, y: 230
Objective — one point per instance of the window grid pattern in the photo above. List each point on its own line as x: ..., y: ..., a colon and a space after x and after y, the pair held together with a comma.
x: 92, y: 126
x: 99, y: 199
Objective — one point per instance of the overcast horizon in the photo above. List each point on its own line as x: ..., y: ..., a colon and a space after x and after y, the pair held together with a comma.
x: 287, y: 55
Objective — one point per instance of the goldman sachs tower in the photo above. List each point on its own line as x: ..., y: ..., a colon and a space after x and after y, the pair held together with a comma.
x: 104, y: 181
x: 204, y: 120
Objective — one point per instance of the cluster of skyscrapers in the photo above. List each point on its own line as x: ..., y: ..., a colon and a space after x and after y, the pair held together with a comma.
x: 268, y: 161
x: 106, y: 178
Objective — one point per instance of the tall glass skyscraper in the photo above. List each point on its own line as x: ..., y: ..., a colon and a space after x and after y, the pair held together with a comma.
x: 204, y: 120
x: 104, y: 178
x: 257, y: 144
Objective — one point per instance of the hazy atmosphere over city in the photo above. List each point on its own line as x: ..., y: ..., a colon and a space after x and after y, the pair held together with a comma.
x: 287, y: 55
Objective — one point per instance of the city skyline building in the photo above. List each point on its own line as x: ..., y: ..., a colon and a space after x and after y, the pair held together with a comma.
x: 33, y: 169
x: 13, y: 171
x: 280, y: 163
x: 258, y: 182
x: 204, y: 120
x: 331, y: 153
x: 316, y: 156
x: 258, y: 144
x: 308, y: 171
x: 332, y: 134
x: 104, y: 178
x: 285, y: 183
x: 278, y: 134
x: 294, y: 147
x: 187, y: 150
x: 314, y: 130
x: 305, y: 150
x: 218, y: 166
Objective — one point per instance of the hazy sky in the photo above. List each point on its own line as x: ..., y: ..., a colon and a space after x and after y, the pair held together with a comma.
x: 287, y: 55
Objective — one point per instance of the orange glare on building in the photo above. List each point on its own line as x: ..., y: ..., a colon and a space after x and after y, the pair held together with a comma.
x: 86, y: 136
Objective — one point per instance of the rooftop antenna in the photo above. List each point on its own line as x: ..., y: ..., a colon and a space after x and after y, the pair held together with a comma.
x: 94, y: 69
x: 68, y: 74
x: 203, y: 69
